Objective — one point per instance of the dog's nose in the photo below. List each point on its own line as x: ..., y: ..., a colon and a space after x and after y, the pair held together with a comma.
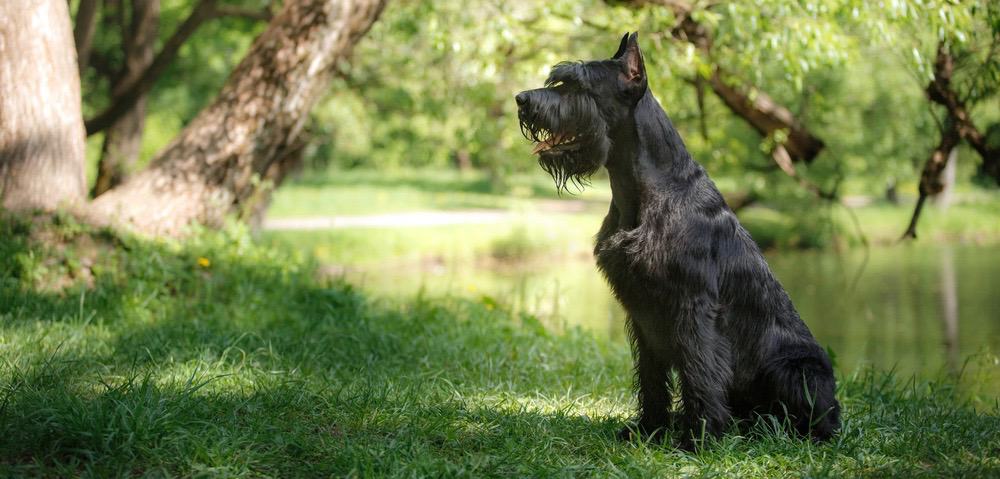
x: 521, y: 98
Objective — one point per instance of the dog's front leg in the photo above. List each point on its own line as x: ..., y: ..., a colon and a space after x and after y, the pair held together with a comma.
x: 653, y: 384
x: 705, y: 369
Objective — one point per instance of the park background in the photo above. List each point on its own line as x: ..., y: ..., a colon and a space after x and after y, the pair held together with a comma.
x: 411, y: 295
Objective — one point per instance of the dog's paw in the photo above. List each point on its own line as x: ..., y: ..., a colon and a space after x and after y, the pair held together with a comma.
x: 689, y: 444
x: 634, y: 432
x: 627, y: 434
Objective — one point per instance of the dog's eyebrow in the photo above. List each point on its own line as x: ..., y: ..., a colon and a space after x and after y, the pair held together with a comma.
x: 567, y: 73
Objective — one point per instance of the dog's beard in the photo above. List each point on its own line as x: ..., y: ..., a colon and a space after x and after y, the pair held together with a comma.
x: 571, y: 146
x: 572, y: 167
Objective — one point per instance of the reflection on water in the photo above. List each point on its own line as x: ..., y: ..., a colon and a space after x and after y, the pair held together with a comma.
x: 918, y: 309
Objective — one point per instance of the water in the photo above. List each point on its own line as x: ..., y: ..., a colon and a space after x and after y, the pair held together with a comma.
x: 923, y: 310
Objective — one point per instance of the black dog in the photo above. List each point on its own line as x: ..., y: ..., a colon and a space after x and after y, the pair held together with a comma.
x: 699, y: 295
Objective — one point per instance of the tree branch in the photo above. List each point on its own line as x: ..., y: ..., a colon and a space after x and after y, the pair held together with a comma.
x: 767, y: 117
x: 759, y: 110
x: 204, y: 10
x: 940, y: 91
x: 956, y: 126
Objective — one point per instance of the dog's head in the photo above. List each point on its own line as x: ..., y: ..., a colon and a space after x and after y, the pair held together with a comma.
x: 573, y: 118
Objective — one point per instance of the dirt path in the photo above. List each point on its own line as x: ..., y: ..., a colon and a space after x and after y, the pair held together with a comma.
x: 413, y: 219
x: 389, y: 220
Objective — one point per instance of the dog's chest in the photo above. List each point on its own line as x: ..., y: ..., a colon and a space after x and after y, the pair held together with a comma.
x: 624, y: 258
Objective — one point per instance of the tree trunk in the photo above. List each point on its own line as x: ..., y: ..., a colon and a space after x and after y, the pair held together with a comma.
x: 946, y: 196
x: 930, y: 177
x: 41, y: 130
x: 83, y: 32
x: 123, y: 140
x: 215, y: 165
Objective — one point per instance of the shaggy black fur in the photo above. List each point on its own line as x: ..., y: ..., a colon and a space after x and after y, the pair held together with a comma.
x: 699, y: 295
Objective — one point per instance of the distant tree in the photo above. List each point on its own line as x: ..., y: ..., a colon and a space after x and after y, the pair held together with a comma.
x: 965, y: 72
x: 250, y: 136
x: 41, y: 130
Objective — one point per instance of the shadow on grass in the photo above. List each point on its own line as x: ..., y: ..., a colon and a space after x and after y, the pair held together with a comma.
x: 219, y: 357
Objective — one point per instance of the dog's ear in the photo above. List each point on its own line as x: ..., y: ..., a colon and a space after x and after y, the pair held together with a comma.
x: 635, y: 70
x: 633, y: 75
x: 621, y: 47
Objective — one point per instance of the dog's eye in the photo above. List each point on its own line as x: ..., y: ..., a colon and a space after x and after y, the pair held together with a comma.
x: 566, y: 86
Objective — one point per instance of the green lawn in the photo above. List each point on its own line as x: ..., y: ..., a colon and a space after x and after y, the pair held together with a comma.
x: 219, y: 357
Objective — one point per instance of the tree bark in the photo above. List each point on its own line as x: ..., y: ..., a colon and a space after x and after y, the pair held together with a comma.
x: 946, y: 196
x: 41, y: 132
x: 216, y: 164
x: 123, y: 140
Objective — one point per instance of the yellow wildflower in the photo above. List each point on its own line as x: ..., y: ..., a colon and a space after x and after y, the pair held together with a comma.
x: 204, y: 262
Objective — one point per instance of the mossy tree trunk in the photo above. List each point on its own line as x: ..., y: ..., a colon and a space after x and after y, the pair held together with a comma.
x: 217, y: 164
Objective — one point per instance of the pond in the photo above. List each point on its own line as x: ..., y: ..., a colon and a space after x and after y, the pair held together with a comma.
x: 917, y: 309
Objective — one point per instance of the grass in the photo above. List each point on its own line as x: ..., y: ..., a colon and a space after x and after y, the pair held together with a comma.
x: 219, y: 357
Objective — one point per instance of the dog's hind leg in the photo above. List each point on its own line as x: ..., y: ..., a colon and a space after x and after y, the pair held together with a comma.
x: 800, y: 381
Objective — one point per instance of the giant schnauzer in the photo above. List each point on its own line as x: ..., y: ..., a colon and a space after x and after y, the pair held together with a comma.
x: 698, y: 293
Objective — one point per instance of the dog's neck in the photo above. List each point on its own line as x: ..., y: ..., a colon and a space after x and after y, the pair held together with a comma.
x: 647, y: 158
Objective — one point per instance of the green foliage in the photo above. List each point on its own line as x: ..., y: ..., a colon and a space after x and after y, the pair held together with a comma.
x: 517, y: 246
x: 441, y: 87
x: 431, y: 86
x: 246, y: 365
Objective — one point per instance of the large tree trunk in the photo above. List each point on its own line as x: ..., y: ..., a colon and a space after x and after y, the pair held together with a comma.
x: 41, y: 130
x: 214, y: 166
x: 123, y: 140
